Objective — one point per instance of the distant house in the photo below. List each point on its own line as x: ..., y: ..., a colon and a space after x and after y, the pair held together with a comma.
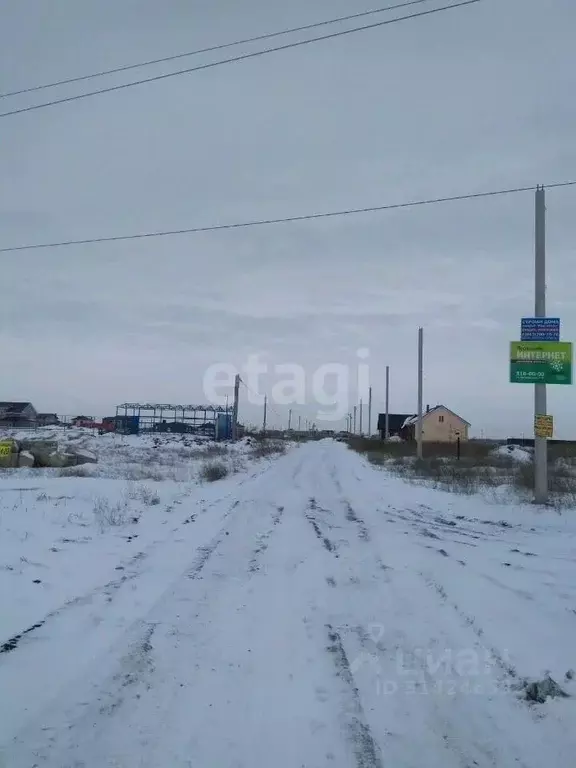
x: 17, y: 415
x: 395, y: 423
x: 439, y: 425
x: 82, y: 421
x: 47, y: 419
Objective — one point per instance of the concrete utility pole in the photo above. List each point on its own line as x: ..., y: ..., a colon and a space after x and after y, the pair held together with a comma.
x: 264, y: 421
x: 354, y: 424
x: 235, y: 407
x: 361, y: 412
x: 387, y: 414
x: 420, y: 393
x: 370, y: 412
x: 289, y: 419
x: 299, y: 421
x: 540, y: 405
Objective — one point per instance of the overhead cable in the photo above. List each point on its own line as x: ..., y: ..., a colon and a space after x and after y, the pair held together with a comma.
x: 284, y: 220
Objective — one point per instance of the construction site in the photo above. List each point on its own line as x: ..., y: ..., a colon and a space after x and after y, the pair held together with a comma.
x: 205, y: 419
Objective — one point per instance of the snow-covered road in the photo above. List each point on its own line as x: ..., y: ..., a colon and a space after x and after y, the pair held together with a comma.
x: 317, y: 613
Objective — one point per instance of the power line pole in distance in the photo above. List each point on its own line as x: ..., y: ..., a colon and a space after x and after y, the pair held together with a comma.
x: 370, y: 412
x: 235, y: 407
x: 540, y: 405
x: 420, y: 392
x: 387, y: 409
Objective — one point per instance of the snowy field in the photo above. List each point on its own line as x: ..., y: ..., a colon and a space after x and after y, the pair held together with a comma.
x: 499, y: 473
x: 308, y: 610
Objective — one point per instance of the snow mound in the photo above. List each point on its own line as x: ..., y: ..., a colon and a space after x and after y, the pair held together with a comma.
x: 515, y: 452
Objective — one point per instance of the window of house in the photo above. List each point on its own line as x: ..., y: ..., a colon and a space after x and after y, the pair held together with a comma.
x: 441, y: 418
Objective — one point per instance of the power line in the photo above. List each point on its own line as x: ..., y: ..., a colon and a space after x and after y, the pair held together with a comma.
x: 257, y: 395
x: 210, y: 49
x: 285, y: 220
x: 241, y: 57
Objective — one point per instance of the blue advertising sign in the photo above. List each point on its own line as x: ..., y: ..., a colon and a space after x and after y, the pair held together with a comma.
x: 540, y: 329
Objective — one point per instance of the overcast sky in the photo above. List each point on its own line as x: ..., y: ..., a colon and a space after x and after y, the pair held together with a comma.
x: 474, y: 99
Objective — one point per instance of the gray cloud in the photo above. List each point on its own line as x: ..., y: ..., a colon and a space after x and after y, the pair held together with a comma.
x: 446, y: 105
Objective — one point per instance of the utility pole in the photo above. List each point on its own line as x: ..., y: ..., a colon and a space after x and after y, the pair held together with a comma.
x: 361, y: 412
x: 235, y: 407
x: 540, y: 405
x: 264, y: 421
x: 299, y: 420
x: 289, y: 419
x: 420, y: 388
x: 387, y: 415
x: 370, y: 412
x: 354, y: 424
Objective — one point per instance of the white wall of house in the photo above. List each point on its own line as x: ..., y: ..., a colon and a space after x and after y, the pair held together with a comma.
x: 443, y: 426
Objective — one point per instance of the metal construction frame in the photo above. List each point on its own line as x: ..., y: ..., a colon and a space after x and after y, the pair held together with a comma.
x: 199, y: 417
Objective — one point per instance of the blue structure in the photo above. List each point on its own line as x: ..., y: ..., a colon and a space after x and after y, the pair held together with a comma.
x: 127, y: 425
x: 223, y: 426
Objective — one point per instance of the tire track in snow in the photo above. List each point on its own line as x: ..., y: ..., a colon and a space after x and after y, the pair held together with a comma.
x: 312, y: 517
x: 135, y: 666
x: 352, y: 517
x: 107, y: 589
x: 103, y: 589
x: 367, y: 753
x: 342, y: 501
x: 503, y: 664
x: 133, y: 650
x: 12, y: 643
x: 263, y: 540
x: 111, y: 588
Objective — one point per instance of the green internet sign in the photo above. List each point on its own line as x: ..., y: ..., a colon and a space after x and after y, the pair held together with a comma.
x: 541, y: 362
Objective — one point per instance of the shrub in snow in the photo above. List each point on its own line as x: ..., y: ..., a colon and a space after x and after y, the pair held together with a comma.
x: 237, y: 465
x: 215, y: 449
x: 262, y: 448
x: 108, y: 515
x: 142, y: 493
x: 144, y: 472
x: 212, y: 471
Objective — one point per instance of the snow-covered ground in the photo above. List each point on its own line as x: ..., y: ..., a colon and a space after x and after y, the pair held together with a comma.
x: 66, y: 531
x: 309, y: 611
